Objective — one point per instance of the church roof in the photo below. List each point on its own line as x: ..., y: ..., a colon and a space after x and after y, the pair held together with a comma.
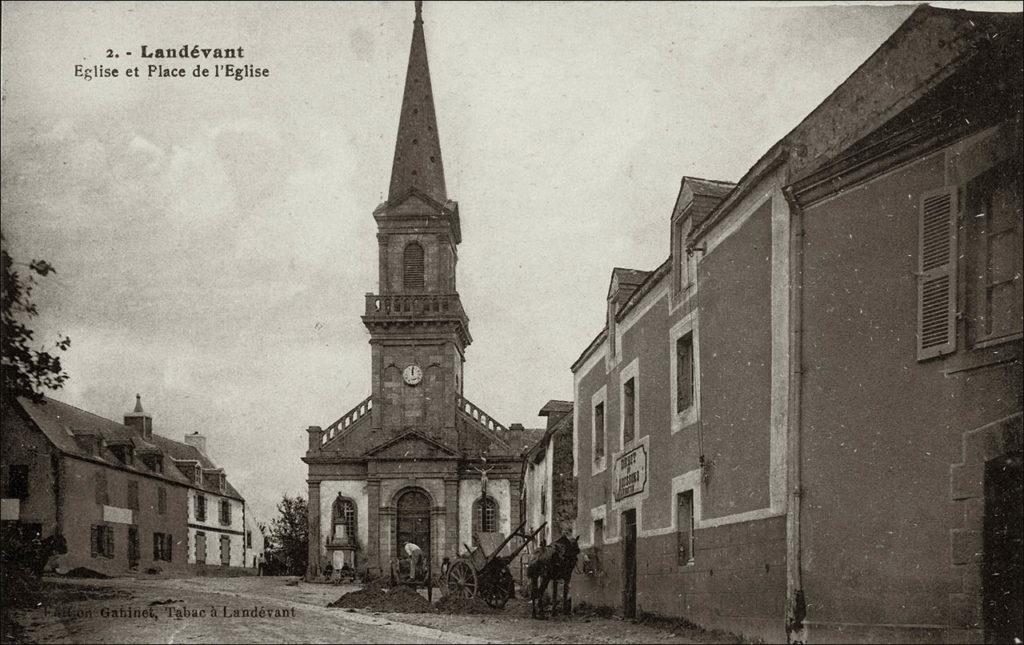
x: 417, y: 161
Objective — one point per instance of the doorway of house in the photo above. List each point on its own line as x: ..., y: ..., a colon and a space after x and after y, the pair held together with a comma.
x: 413, y: 522
x: 629, y: 564
x: 1002, y: 570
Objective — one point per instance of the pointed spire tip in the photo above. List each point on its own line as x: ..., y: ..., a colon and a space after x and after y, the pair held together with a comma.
x: 419, y: 10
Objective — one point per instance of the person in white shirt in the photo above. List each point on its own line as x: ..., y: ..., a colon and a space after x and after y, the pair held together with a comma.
x: 415, y: 554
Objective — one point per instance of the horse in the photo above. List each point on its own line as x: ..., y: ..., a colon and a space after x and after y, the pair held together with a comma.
x: 552, y: 564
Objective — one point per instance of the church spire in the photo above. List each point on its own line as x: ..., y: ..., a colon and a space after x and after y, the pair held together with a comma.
x: 418, y: 149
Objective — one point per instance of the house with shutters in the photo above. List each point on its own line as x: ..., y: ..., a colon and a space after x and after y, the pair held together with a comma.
x: 125, y: 498
x: 216, y: 511
x: 806, y: 423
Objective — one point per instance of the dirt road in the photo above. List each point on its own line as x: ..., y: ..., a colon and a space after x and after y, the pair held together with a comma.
x: 243, y: 610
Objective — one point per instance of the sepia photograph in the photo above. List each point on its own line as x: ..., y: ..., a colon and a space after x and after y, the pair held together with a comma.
x: 512, y: 322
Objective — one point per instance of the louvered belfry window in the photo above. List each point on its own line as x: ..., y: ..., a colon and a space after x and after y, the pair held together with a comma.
x: 936, y: 282
x: 412, y: 267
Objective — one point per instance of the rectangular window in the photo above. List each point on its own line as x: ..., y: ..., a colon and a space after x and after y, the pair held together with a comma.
x: 598, y: 533
x: 100, y: 482
x: 684, y: 372
x: 200, y: 508
x: 163, y: 545
x: 681, y: 258
x: 102, y: 540
x: 248, y: 539
x: 161, y: 500
x: 133, y: 495
x: 684, y: 517
x: 629, y: 410
x: 599, y: 431
x: 995, y: 254
x: 225, y: 512
x: 133, y: 547
x: 17, y: 481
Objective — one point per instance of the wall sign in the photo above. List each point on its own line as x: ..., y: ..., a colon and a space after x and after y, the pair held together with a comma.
x: 631, y: 473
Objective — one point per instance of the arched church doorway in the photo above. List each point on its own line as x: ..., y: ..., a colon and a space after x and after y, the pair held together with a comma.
x: 413, y: 521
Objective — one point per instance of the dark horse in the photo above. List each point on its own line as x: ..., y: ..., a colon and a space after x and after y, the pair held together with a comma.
x: 551, y: 564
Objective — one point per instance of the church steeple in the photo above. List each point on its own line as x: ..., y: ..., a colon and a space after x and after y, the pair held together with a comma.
x: 418, y: 149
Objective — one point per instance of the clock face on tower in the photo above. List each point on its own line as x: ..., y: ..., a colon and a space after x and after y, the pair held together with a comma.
x: 412, y: 375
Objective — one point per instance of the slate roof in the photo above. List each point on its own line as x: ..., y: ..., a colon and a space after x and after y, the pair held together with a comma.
x: 61, y: 423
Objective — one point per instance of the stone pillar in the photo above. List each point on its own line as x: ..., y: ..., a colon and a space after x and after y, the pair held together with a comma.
x: 313, y: 567
x: 314, y: 437
x: 385, y: 544
x: 451, y: 519
x: 373, y: 521
x: 437, y: 535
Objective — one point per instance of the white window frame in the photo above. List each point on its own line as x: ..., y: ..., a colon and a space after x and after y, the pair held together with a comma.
x: 631, y: 371
x: 598, y: 465
x: 684, y: 418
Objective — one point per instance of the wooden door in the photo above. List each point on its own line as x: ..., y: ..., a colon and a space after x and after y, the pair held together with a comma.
x: 413, y: 522
x: 201, y: 548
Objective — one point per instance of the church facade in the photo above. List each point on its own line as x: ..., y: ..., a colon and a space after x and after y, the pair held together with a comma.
x: 415, y: 461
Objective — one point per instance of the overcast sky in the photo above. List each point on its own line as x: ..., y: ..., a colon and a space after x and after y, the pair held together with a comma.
x: 213, y: 239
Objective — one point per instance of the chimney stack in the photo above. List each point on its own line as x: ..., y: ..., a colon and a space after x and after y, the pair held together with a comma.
x: 140, y: 420
x: 198, y: 441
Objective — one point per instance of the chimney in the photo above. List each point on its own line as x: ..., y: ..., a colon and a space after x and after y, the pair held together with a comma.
x: 516, y: 426
x: 198, y: 441
x: 139, y: 420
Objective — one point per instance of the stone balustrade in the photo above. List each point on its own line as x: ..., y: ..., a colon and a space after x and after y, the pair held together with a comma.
x: 346, y: 421
x: 419, y: 304
x: 480, y: 416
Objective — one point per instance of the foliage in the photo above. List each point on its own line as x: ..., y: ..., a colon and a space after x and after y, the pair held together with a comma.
x: 288, y: 539
x: 26, y: 370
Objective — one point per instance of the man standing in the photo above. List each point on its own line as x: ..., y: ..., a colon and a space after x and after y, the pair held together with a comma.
x: 415, y: 555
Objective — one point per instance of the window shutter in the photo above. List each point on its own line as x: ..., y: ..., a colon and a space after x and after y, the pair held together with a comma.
x: 170, y: 548
x: 94, y: 540
x: 109, y: 536
x: 936, y: 279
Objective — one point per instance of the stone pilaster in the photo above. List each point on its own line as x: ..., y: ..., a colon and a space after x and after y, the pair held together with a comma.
x: 373, y: 523
x: 313, y: 567
x: 438, y: 515
x: 451, y: 520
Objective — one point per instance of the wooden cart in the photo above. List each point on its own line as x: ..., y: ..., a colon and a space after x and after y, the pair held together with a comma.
x: 478, y: 574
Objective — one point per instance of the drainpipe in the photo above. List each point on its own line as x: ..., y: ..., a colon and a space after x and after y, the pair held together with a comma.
x: 796, y: 606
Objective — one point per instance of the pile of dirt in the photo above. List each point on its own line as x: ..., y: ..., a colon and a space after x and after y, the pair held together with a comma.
x: 454, y: 604
x: 85, y: 572
x: 375, y: 598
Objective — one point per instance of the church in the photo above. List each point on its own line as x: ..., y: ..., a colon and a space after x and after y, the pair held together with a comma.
x: 415, y: 461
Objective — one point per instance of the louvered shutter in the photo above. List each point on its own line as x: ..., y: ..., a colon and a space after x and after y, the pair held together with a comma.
x: 94, y: 540
x: 936, y: 280
x: 108, y: 535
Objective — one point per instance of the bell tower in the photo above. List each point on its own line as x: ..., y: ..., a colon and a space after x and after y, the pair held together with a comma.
x: 418, y: 328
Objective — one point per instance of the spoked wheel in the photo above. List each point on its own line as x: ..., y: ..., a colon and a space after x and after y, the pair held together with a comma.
x: 462, y: 580
x: 499, y: 591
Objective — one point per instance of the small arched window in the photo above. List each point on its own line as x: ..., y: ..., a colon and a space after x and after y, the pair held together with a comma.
x: 485, y: 515
x: 412, y: 267
x: 344, y: 521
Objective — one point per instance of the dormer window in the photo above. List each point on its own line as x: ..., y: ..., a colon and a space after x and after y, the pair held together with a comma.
x: 154, y: 463
x: 123, y: 453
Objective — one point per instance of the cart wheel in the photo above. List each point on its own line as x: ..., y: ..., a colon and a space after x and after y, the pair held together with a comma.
x: 462, y: 580
x: 499, y: 592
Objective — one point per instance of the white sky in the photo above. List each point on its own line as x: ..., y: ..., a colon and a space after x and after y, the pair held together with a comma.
x: 214, y: 239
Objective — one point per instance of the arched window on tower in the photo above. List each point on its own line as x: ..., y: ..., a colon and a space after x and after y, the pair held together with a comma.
x: 344, y: 519
x: 485, y: 515
x: 412, y: 267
